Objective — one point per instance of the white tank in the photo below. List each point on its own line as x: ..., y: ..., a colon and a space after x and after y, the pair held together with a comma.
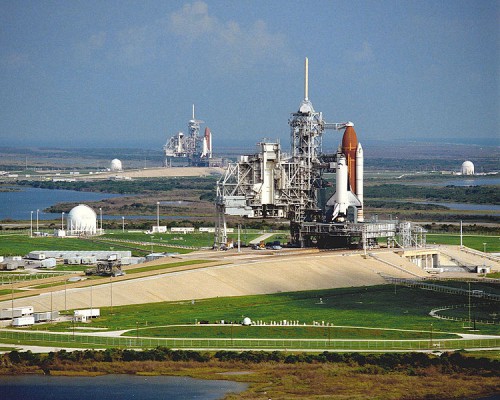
x: 82, y: 220
x: 116, y: 165
x: 467, y: 168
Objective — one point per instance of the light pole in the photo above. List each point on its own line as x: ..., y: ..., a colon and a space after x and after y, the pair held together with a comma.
x: 123, y: 224
x: 91, y: 312
x: 62, y: 221
x: 239, y: 247
x: 37, y: 211
x: 158, y: 216
x: 100, y: 212
x: 31, y: 225
x: 111, y: 286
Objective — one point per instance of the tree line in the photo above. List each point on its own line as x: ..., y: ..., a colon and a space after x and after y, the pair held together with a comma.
x: 447, y: 362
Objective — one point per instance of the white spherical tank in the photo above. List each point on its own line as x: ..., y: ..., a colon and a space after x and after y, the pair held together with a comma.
x: 116, y: 165
x: 82, y: 220
x: 467, y: 168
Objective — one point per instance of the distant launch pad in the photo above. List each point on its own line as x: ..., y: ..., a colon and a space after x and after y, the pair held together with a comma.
x: 196, y: 150
x: 272, y: 184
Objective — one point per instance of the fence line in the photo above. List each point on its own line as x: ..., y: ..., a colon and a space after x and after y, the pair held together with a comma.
x: 70, y: 340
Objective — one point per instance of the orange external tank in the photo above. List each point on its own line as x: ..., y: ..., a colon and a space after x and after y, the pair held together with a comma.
x: 349, y: 147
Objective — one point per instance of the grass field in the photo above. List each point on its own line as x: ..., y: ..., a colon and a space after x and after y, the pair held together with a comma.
x: 139, y: 243
x: 282, y: 332
x: 11, y: 245
x: 368, y: 307
x: 472, y: 241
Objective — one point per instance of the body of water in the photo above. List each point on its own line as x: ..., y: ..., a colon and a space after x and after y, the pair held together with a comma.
x: 111, y: 387
x: 18, y: 205
x: 493, y: 209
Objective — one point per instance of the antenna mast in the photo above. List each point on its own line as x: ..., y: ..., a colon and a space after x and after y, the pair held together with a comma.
x: 306, y: 80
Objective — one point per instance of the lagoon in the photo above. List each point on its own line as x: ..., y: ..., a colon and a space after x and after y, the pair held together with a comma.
x: 119, y: 387
x: 18, y: 204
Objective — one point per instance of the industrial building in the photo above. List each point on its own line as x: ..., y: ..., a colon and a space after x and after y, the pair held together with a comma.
x: 294, y: 186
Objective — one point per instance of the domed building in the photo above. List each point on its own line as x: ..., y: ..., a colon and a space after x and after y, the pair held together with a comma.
x: 82, y: 220
x: 467, y: 168
x: 116, y: 165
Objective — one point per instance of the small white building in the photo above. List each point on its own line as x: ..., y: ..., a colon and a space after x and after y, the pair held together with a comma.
x: 86, y: 314
x: 23, y: 321
x: 159, y: 229
x: 155, y: 256
x: 207, y: 229
x: 182, y: 229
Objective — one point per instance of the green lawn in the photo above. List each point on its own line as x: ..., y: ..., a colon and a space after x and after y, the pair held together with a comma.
x: 281, y: 332
x: 196, y: 239
x: 473, y: 241
x: 22, y: 244
x: 373, y: 306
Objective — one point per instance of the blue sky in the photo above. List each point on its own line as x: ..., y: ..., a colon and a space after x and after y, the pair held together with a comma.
x: 125, y: 73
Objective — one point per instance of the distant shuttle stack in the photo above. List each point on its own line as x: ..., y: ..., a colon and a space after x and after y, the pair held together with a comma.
x: 207, y: 144
x: 349, y: 181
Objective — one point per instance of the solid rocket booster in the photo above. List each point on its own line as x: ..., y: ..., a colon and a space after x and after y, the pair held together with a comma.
x: 359, y: 179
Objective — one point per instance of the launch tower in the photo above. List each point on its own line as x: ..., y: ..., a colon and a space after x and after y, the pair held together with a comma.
x: 271, y: 184
x: 196, y: 149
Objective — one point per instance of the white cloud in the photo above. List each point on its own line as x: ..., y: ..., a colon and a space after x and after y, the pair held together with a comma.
x: 192, y: 21
x: 15, y: 60
x: 189, y: 31
x: 363, y: 55
x: 88, y: 49
x: 227, y: 40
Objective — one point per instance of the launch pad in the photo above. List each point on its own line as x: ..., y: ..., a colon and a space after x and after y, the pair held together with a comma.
x: 196, y: 150
x: 273, y: 184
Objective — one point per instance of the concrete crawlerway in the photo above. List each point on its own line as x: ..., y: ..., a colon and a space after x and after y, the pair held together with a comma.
x: 237, y: 274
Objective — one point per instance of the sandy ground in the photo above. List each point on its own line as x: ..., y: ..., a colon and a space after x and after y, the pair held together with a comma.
x: 248, y: 273
x: 155, y: 173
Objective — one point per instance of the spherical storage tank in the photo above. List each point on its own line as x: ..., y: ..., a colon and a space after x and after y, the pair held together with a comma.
x: 467, y: 168
x: 116, y: 165
x: 82, y: 220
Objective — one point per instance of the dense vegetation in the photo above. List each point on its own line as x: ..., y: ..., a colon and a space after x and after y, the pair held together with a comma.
x: 143, y: 185
x: 447, y: 362
x: 285, y: 375
x: 461, y: 194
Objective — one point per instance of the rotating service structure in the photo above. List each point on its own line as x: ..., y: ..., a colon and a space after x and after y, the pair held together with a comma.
x: 273, y: 184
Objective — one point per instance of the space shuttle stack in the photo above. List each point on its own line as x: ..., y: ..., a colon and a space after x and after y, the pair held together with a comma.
x: 207, y: 144
x: 349, y: 185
